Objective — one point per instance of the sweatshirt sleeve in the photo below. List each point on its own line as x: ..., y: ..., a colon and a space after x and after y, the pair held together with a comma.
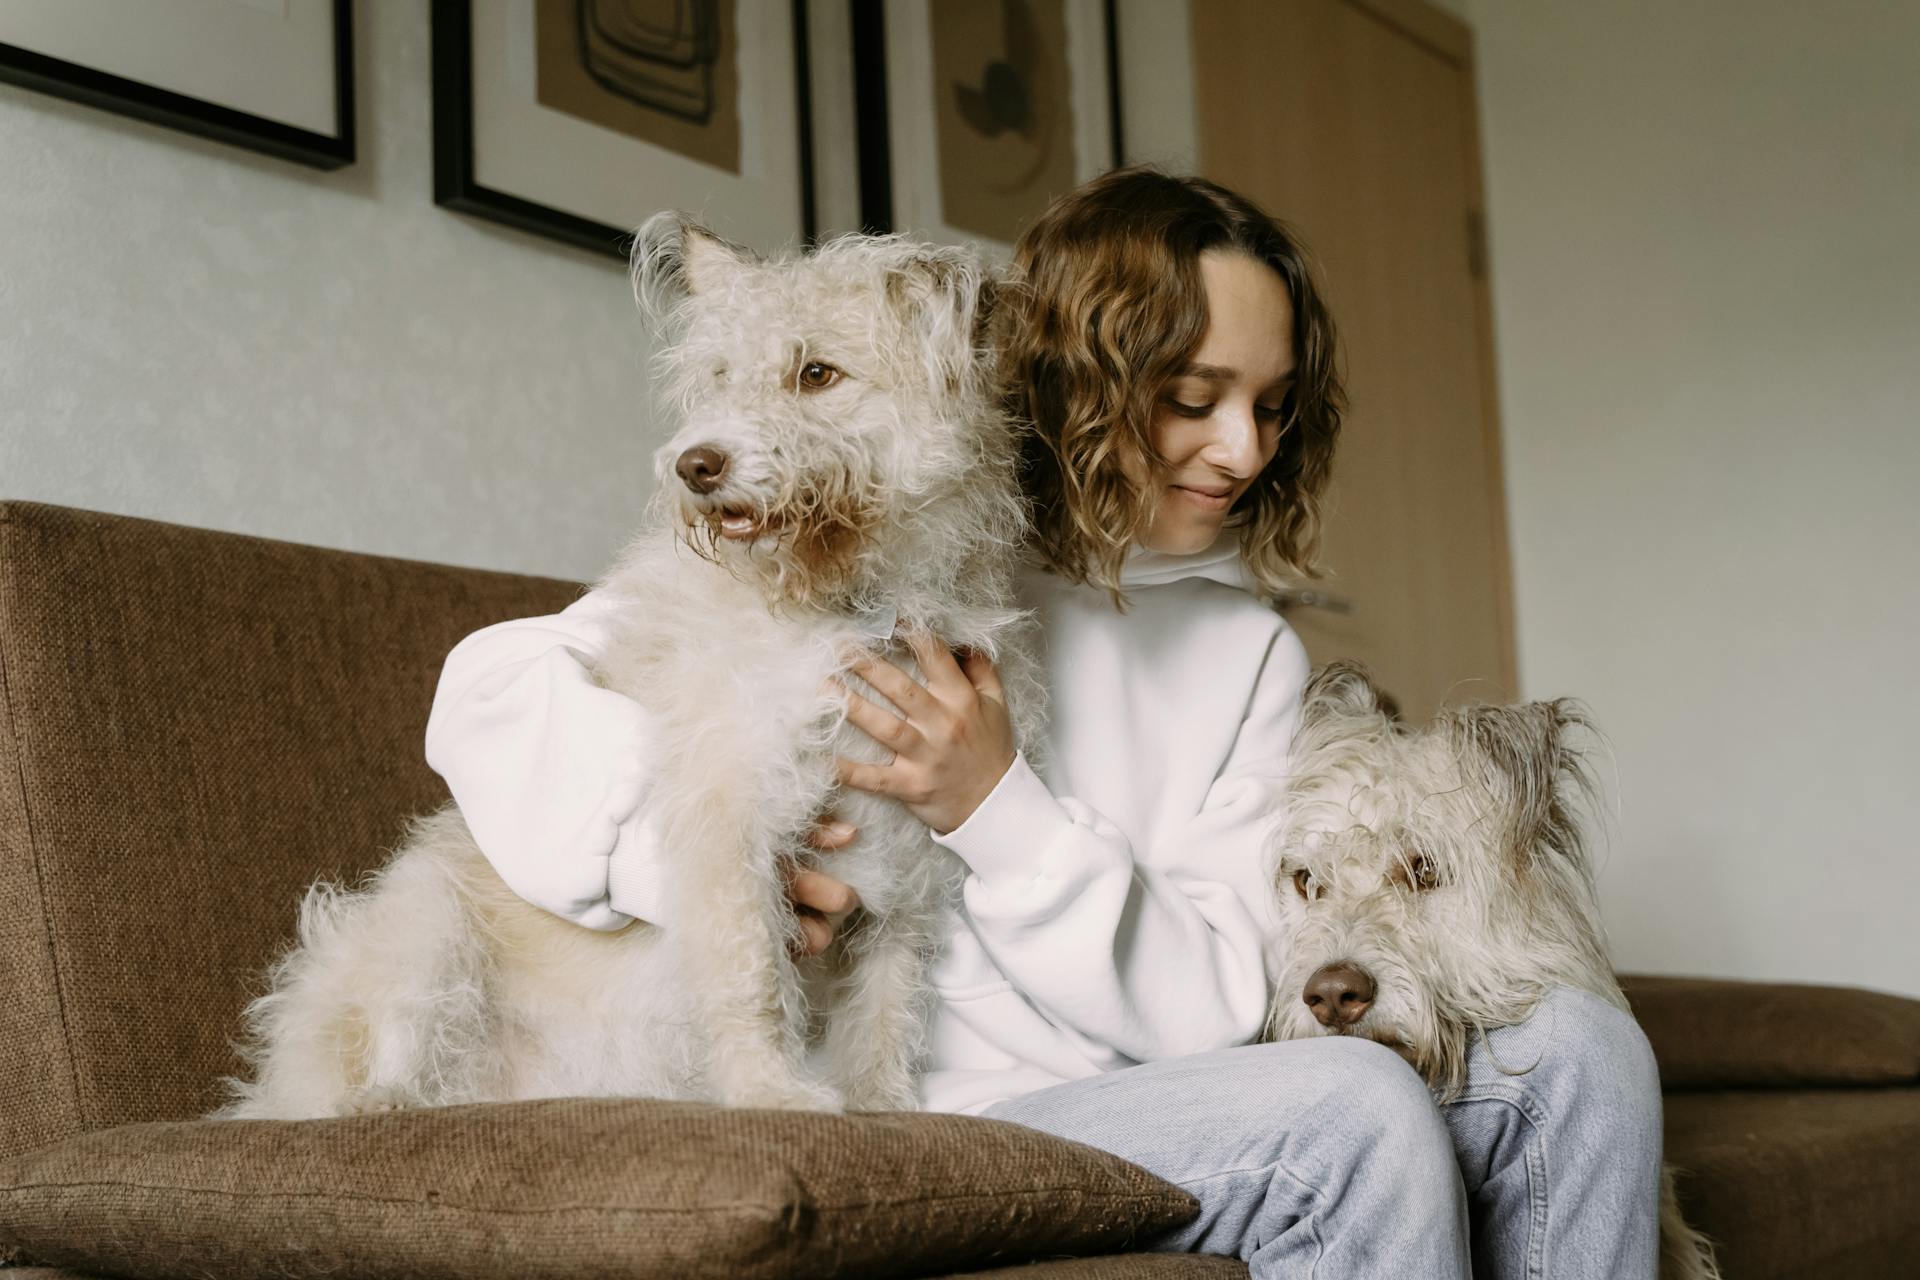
x: 548, y: 768
x: 1157, y: 956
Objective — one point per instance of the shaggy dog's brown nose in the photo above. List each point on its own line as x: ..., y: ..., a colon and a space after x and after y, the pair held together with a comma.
x: 701, y: 467
x: 1339, y: 994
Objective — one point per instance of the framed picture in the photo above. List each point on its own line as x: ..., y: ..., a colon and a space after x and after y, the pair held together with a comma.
x: 975, y: 114
x: 274, y: 76
x: 576, y: 119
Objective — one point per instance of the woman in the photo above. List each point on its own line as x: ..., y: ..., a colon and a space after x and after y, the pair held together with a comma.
x: 1178, y: 368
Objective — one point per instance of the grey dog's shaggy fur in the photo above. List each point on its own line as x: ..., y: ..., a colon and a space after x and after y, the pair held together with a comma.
x: 869, y: 474
x: 1444, y: 868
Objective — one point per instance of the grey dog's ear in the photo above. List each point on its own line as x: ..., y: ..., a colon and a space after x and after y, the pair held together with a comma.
x: 1340, y: 688
x: 674, y: 257
x: 946, y: 297
x: 1531, y: 765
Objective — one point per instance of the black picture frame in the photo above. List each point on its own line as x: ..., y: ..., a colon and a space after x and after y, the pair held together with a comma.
x: 456, y: 187
x: 95, y: 88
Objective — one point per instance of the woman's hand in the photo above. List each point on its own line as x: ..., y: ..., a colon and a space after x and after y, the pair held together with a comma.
x: 955, y: 743
x: 821, y: 902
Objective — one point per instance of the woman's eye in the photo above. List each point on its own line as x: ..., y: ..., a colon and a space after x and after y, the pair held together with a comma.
x: 815, y: 376
x: 1186, y: 410
x: 1304, y: 886
x: 1272, y: 412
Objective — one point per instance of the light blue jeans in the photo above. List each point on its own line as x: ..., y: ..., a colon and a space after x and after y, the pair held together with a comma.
x: 1328, y: 1158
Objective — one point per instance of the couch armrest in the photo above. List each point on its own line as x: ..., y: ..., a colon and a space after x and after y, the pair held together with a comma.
x: 1711, y: 1033
x: 194, y: 726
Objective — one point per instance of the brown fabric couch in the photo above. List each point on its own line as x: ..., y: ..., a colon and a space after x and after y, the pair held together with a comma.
x: 194, y: 725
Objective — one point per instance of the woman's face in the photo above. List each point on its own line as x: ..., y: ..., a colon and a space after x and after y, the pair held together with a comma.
x: 1217, y: 421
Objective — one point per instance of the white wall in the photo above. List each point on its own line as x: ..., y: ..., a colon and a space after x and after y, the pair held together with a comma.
x: 193, y: 332
x: 1707, y: 299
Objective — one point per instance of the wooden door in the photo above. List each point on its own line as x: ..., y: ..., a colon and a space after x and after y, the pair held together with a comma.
x: 1355, y: 122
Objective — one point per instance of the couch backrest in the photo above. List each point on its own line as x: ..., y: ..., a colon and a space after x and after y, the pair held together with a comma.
x: 193, y: 727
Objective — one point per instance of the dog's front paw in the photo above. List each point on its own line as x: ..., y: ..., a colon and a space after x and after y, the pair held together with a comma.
x: 889, y: 1095
x: 368, y: 1099
x: 789, y: 1095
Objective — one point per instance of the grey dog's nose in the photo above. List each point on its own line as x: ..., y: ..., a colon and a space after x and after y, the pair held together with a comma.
x: 701, y: 467
x: 1339, y: 994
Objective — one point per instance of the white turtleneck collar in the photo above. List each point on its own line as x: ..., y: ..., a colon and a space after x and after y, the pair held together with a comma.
x: 1219, y: 562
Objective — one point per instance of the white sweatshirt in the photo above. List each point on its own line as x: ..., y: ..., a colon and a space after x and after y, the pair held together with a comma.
x: 1117, y: 911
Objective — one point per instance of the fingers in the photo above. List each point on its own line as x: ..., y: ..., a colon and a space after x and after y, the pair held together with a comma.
x: 884, y: 727
x: 820, y: 891
x: 900, y: 688
x: 821, y: 904
x: 831, y: 833
x: 979, y: 669
x: 864, y: 777
x: 816, y: 935
x: 936, y: 660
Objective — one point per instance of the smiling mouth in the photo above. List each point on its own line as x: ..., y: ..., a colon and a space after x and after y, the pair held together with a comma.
x: 1205, y: 500
x: 740, y: 524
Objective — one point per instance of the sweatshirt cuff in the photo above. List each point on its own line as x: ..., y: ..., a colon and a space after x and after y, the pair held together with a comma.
x: 636, y: 882
x: 1010, y: 827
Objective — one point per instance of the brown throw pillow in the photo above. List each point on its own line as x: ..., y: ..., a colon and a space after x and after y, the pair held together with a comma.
x: 576, y: 1188
x: 1712, y: 1033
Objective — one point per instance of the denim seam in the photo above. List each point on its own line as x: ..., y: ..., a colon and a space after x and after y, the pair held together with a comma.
x: 1529, y: 1108
x: 1310, y: 1219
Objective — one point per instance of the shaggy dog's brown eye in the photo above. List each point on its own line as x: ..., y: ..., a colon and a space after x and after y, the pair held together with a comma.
x: 815, y: 376
x: 1420, y: 871
x: 1303, y: 884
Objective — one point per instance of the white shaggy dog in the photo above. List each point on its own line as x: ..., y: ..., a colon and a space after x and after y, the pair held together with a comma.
x: 1434, y: 885
x: 842, y: 459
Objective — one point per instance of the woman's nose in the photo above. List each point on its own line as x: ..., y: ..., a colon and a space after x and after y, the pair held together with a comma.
x: 1235, y: 446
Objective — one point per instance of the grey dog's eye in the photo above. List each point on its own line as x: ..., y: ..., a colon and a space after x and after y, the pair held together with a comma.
x: 1304, y: 886
x: 815, y: 376
x: 1420, y: 872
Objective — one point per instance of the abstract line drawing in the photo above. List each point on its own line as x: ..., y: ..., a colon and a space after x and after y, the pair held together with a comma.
x: 1006, y: 99
x: 659, y: 122
x: 1003, y: 113
x: 659, y: 54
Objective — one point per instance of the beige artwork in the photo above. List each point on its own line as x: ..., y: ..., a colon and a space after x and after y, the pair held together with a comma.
x: 1002, y: 110
x: 663, y: 71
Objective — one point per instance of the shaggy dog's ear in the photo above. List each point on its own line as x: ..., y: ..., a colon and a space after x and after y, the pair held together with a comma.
x: 1530, y: 764
x: 1340, y: 689
x: 946, y: 297
x: 674, y: 258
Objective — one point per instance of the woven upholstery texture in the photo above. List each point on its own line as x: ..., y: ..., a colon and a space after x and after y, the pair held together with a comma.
x: 193, y: 726
x: 1710, y: 1033
x: 575, y: 1187
x: 1802, y: 1184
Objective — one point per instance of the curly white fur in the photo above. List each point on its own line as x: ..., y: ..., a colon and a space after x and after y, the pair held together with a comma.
x: 1444, y: 866
x: 890, y: 490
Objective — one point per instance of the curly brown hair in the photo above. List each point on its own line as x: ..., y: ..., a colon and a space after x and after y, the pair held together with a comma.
x: 1109, y: 304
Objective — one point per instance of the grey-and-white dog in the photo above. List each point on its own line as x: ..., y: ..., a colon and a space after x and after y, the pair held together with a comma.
x: 1434, y: 884
x: 842, y: 457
